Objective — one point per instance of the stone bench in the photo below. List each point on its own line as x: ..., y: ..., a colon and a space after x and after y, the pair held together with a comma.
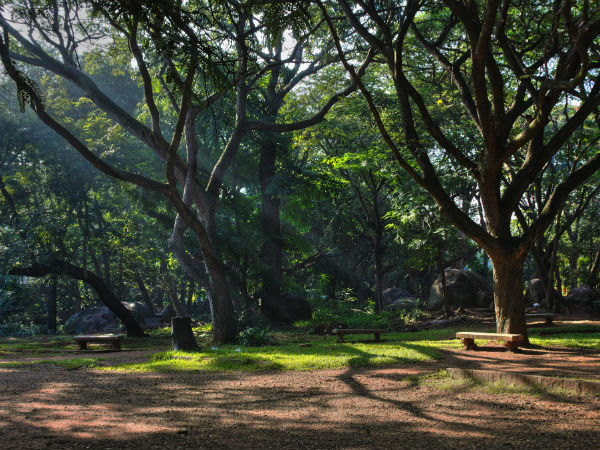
x: 511, y: 341
x: 548, y: 317
x: 342, y: 331
x: 113, y: 339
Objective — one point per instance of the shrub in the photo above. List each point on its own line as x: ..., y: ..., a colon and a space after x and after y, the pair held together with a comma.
x: 257, y: 337
x: 19, y: 329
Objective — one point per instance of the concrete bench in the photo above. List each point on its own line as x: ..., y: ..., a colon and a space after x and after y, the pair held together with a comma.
x: 114, y: 340
x: 548, y: 317
x: 342, y: 331
x: 511, y: 341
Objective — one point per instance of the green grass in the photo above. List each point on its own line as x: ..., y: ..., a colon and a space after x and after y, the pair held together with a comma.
x: 70, y: 364
x: 443, y: 381
x: 569, y: 340
x: 317, y: 352
x: 322, y: 354
x: 562, y: 329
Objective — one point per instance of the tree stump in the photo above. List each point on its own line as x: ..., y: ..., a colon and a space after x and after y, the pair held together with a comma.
x: 182, y: 334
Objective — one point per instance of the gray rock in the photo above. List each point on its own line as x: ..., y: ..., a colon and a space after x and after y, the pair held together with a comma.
x: 463, y: 288
x: 140, y: 310
x: 390, y: 295
x: 101, y: 320
x: 92, y: 320
x: 403, y: 303
x: 536, y: 291
x: 582, y: 298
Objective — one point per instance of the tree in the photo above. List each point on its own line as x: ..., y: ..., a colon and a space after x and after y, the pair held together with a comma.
x: 187, y: 58
x: 502, y: 71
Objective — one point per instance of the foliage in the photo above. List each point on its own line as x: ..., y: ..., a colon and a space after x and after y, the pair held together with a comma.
x: 18, y: 329
x: 257, y: 337
x: 352, y: 223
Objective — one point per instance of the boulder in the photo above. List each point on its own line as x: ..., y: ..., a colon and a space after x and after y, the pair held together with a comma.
x: 535, y: 292
x: 140, y: 311
x: 582, y: 298
x: 91, y: 321
x: 463, y: 288
x: 101, y: 320
x: 402, y: 303
x: 390, y: 296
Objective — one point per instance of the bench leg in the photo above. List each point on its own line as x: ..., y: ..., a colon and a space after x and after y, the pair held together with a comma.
x: 82, y: 345
x: 377, y: 337
x: 469, y: 344
x: 548, y: 321
x: 512, y: 346
x: 340, y: 338
x: 115, y: 345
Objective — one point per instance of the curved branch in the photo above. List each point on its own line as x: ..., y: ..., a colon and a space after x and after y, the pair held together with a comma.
x: 58, y: 267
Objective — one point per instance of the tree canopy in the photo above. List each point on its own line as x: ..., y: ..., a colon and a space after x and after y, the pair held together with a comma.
x: 237, y: 155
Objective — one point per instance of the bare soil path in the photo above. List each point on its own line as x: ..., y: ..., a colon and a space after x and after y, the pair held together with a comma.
x: 50, y: 408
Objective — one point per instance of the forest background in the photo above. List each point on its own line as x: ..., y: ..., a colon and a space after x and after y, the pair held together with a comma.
x: 265, y: 158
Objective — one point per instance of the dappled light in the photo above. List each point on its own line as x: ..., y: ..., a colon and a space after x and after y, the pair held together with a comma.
x: 334, y: 409
x: 299, y: 225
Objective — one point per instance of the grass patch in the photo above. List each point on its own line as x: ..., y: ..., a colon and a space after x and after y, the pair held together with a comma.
x: 296, y: 350
x: 570, y: 340
x: 321, y: 354
x: 69, y: 364
x: 443, y: 381
x: 562, y: 329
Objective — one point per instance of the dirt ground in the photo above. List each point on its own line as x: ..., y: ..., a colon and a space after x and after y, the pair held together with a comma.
x: 52, y: 408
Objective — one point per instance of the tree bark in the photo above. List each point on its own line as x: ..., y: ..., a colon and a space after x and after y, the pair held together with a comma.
x: 179, y: 307
x: 222, y: 314
x: 271, y: 252
x: 182, y: 334
x: 105, y: 294
x: 508, y: 294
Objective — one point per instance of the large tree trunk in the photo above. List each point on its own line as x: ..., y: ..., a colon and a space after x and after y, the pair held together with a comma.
x: 221, y: 305
x: 508, y: 294
x: 271, y: 252
x: 210, y: 273
x: 182, y: 334
x: 105, y: 294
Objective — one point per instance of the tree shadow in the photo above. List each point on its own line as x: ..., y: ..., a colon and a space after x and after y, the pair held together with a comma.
x: 329, y: 410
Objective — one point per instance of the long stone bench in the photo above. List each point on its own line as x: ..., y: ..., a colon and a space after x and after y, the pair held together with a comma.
x: 114, y: 340
x: 342, y: 331
x: 511, y: 341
